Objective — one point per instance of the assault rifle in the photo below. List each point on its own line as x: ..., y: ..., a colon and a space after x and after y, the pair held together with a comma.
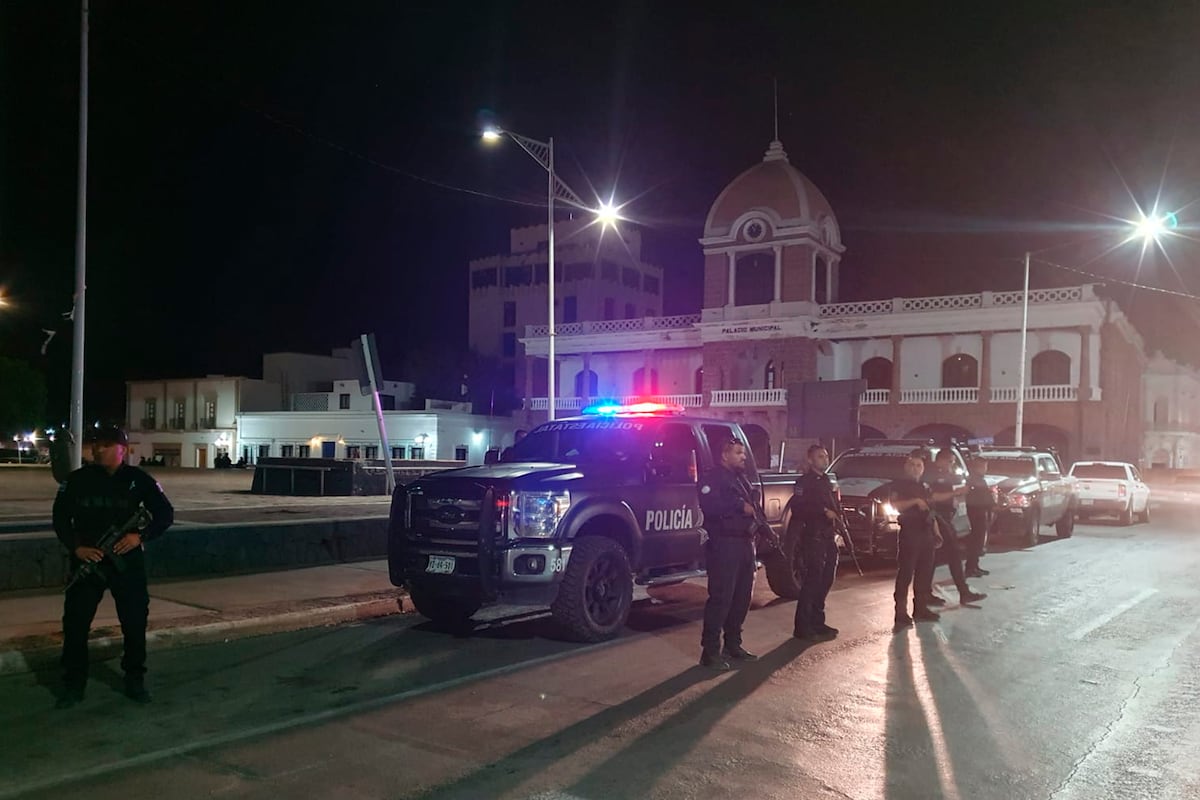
x: 765, y: 538
x: 842, y: 530
x: 114, y: 534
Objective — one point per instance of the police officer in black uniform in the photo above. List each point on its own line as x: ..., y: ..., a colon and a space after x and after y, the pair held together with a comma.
x: 730, y: 558
x: 981, y: 505
x: 816, y: 512
x: 93, y: 498
x: 918, y: 539
x: 942, y: 483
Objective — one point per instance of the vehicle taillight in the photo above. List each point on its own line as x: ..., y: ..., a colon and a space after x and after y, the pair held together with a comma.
x: 1121, y: 490
x: 503, y: 502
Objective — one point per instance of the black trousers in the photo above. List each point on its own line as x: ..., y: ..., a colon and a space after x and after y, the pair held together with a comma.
x: 731, y: 567
x: 953, y: 552
x: 820, y: 555
x: 981, y: 520
x: 914, y: 567
x: 132, y: 599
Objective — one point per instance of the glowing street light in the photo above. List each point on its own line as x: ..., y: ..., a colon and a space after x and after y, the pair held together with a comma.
x: 607, y: 215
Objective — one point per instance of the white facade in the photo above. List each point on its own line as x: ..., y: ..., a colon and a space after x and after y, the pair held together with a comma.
x: 346, y: 396
x: 432, y: 434
x: 1171, y: 407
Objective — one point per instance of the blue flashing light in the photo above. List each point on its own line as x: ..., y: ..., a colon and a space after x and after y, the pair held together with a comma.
x: 609, y: 408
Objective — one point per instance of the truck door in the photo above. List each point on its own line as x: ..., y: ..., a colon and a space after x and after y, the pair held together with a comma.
x: 1054, y: 497
x: 670, y: 516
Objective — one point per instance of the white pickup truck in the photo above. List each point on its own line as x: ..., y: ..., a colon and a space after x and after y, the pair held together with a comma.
x: 1111, y: 488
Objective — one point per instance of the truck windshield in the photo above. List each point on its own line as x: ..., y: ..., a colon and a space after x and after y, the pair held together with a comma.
x: 1010, y: 467
x: 1100, y: 472
x: 582, y: 442
x: 861, y: 465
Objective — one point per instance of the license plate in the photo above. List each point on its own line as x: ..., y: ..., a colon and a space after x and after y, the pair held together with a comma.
x: 1088, y: 502
x: 440, y: 565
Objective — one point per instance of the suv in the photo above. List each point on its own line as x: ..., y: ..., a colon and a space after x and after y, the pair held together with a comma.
x: 863, y: 475
x: 576, y: 513
x: 1031, y: 491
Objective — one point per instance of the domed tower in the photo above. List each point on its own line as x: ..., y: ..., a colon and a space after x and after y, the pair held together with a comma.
x: 770, y: 242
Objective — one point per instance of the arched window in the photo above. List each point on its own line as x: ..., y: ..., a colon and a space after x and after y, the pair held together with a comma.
x: 960, y: 372
x: 1051, y: 368
x: 639, y: 381
x: 754, y: 281
x: 699, y: 380
x: 820, y: 279
x: 877, y: 372
x: 769, y: 376
x: 588, y: 389
x: 1161, y: 411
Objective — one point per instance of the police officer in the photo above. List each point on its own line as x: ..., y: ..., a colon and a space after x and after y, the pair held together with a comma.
x: 981, y: 504
x: 816, y: 512
x: 942, y: 484
x: 93, y: 498
x: 918, y: 539
x: 730, y: 558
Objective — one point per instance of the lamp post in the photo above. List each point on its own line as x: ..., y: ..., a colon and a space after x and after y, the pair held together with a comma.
x: 606, y: 214
x: 1146, y: 228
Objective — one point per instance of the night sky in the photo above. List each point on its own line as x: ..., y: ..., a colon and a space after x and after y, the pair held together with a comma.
x: 270, y: 176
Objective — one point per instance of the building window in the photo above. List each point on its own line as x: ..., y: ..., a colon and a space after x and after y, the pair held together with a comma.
x: 754, y: 279
x: 1051, y: 368
x: 610, y: 308
x: 877, y: 372
x: 264, y: 451
x: 416, y: 453
x: 508, y: 345
x: 510, y: 314
x: 303, y: 451
x: 570, y: 309
x: 699, y: 380
x: 631, y: 278
x: 287, y: 451
x: 371, y: 452
x: 1161, y: 411
x: 518, y: 276
x: 650, y: 284
x: 482, y: 278
x: 960, y: 372
x: 541, y: 274
x: 180, y: 419
x: 460, y: 453
x: 398, y: 453
x: 590, y: 388
x: 608, y: 271
x: 353, y: 451
x: 210, y: 414
x: 344, y: 401
x: 387, y: 402
x: 149, y: 423
x: 630, y: 311
x: 639, y: 381
x: 769, y: 376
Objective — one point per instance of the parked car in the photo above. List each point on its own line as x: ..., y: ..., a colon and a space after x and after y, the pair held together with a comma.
x: 1031, y: 491
x: 1111, y: 488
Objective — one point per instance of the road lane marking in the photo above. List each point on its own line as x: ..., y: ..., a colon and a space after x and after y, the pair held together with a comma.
x: 1104, y: 619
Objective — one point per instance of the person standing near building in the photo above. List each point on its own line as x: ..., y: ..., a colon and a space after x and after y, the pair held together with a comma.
x: 729, y: 557
x: 918, y: 539
x: 945, y: 493
x: 816, y: 512
x: 90, y: 501
x: 981, y: 504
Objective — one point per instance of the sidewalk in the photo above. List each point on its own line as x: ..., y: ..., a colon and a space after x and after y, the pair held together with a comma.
x: 212, y: 609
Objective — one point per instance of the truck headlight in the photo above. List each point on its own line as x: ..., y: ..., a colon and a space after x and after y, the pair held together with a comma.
x: 537, y: 514
x: 1015, y: 500
x: 886, y: 512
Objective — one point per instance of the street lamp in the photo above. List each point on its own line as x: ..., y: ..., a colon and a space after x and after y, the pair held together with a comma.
x: 1149, y: 229
x: 607, y: 214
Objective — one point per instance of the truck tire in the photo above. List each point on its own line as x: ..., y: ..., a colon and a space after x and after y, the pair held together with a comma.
x: 784, y: 568
x: 1033, y: 525
x: 447, y: 611
x: 1144, y: 517
x: 1066, y: 524
x: 596, y: 592
x: 1126, y: 517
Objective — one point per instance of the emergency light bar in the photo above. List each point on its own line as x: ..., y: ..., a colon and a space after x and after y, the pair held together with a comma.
x: 610, y: 409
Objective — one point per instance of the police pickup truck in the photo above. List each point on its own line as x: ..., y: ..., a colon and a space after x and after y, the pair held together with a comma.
x: 1032, y: 491
x: 578, y: 512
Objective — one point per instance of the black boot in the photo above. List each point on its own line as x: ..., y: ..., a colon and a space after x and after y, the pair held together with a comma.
x: 135, y: 689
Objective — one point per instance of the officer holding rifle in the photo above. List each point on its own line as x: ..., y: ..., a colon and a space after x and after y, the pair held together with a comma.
x: 817, y: 513
x: 96, y: 514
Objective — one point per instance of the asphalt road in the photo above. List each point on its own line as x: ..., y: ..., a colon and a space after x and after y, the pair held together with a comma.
x: 1078, y: 677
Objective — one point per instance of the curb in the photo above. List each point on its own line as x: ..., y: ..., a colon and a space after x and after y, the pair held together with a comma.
x: 44, y: 651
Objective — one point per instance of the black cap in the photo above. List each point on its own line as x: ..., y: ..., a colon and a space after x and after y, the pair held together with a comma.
x: 108, y: 434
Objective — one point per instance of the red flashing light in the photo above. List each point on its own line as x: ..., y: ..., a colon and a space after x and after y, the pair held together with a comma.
x: 632, y: 409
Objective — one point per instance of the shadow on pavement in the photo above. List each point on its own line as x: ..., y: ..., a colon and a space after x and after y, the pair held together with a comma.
x: 910, y: 769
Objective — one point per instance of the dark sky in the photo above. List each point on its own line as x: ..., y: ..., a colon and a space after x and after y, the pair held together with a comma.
x: 226, y: 217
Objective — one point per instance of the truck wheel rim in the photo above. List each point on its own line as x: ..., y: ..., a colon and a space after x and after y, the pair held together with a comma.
x: 603, y: 591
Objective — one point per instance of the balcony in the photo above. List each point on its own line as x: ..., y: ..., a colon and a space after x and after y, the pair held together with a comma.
x: 177, y: 424
x: 939, y: 396
x: 1036, y: 394
x: 722, y: 398
x: 149, y: 424
x: 614, y: 326
x: 207, y: 423
x: 876, y: 397
x: 576, y: 403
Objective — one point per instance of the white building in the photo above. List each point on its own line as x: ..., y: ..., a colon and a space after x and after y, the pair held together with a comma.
x: 1172, y: 414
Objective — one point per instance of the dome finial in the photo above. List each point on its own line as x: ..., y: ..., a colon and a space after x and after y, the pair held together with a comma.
x: 775, y: 152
